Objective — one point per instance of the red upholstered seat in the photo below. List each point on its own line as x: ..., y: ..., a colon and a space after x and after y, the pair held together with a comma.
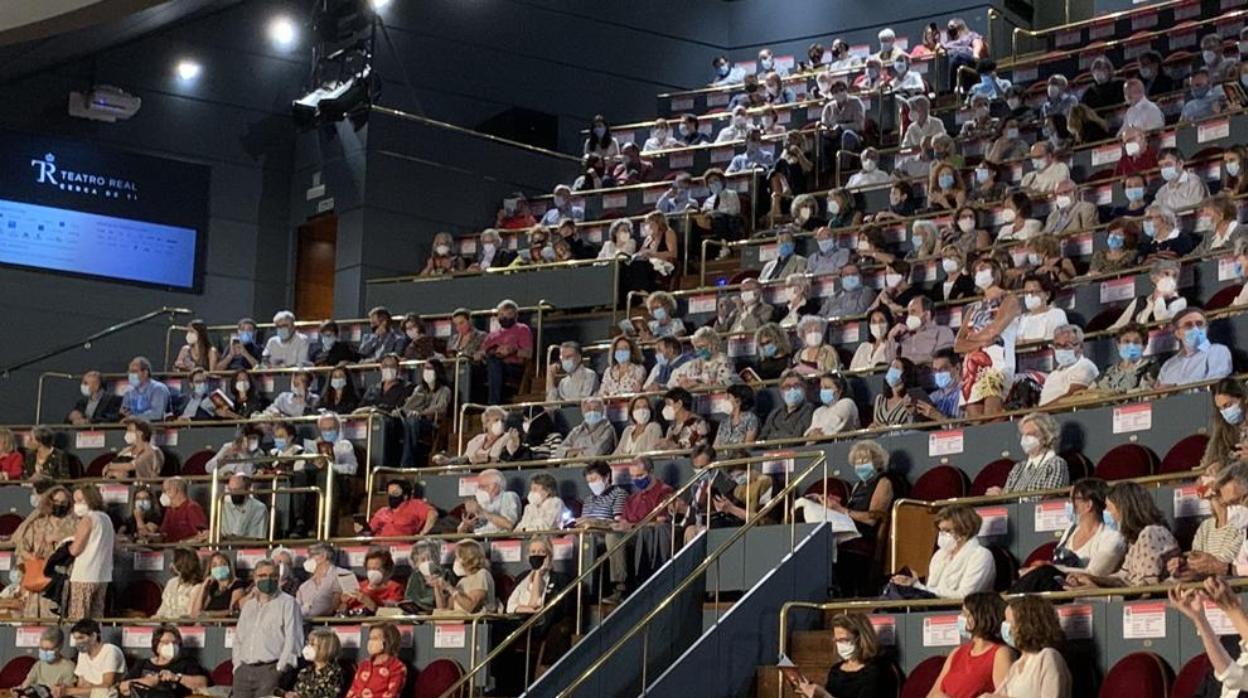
x: 96, y: 468
x: 1184, y: 455
x: 9, y: 524
x: 834, y: 487
x: 15, y: 671
x: 1126, y: 461
x: 1006, y: 568
x: 1191, y: 676
x: 1138, y: 675
x: 1223, y: 297
x: 438, y: 676
x: 941, y: 482
x: 743, y: 275
x: 1043, y: 553
x: 922, y: 678
x: 141, y: 596
x: 1077, y: 464
x: 195, y: 463
x: 992, y: 475
x: 223, y: 675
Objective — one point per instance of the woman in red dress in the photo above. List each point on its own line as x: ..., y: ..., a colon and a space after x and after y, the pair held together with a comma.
x: 383, y: 674
x: 981, y: 662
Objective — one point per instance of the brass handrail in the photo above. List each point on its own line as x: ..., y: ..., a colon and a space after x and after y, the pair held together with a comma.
x: 1100, y: 19
x: 86, y: 342
x: 694, y: 576
x: 426, y: 121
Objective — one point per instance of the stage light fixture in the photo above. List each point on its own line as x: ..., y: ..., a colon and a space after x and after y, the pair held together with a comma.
x: 188, y: 70
x: 379, y: 5
x: 282, y: 31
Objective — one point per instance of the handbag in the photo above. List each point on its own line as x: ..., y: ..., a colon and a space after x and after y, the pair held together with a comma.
x: 899, y: 592
x: 34, y: 579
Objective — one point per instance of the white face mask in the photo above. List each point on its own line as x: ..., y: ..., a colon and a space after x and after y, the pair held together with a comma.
x: 1029, y: 443
x: 966, y: 225
x: 130, y: 437
x: 892, y: 280
x: 389, y: 374
x: 309, y: 566
x: 80, y: 509
x: 496, y: 427
x: 442, y: 250
x: 945, y: 541
x: 1008, y: 215
x: 983, y: 279
x: 669, y: 413
x: 913, y: 322
x: 748, y: 297
x: 1167, y: 284
x: 878, y: 330
x: 165, y: 501
x: 536, y: 498
x: 814, y: 339
x: 846, y: 650
x: 192, y: 337
x: 641, y: 415
x: 950, y: 265
x: 459, y: 569
x: 309, y: 653
x: 1032, y: 301
x: 429, y: 376
x: 597, y: 487
x: 374, y: 577
x: 869, y: 165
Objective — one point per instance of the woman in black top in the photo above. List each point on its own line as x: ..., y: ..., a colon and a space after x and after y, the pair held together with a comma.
x: 223, y: 592
x: 861, y: 672
x: 145, y: 516
x: 168, y: 672
x: 244, y: 391
x: 391, y: 391
x: 341, y: 396
x: 958, y: 284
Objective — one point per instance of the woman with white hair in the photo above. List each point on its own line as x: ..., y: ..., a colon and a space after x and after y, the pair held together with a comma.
x: 1042, y: 469
x: 816, y: 356
x: 490, y: 445
x: 924, y: 240
x: 710, y: 365
x: 594, y: 436
x: 490, y: 252
x: 1163, y: 303
x: 1164, y: 236
x: 798, y: 300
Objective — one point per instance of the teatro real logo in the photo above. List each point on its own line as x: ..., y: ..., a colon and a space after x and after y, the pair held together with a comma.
x: 89, y: 183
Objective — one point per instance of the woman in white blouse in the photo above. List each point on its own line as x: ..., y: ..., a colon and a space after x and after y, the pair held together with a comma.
x: 878, y: 350
x: 625, y: 373
x: 1032, y: 628
x: 1016, y: 216
x: 1088, y: 545
x: 1039, y: 318
x: 186, y: 585
x: 837, y: 411
x: 1162, y: 304
x: 961, y: 565
x: 643, y: 433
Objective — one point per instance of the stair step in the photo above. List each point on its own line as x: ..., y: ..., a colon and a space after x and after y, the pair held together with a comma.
x: 812, y: 647
x: 767, y: 679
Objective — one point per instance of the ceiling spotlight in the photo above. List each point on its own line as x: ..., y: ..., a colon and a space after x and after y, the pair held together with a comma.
x: 188, y: 69
x: 379, y: 5
x: 282, y: 31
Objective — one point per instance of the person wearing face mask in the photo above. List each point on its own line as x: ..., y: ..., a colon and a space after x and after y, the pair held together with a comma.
x: 1234, y: 179
x: 660, y: 138
x: 383, y: 674
x: 490, y: 253
x: 877, y: 347
x: 904, y: 81
x: 748, y: 311
x: 621, y: 242
x: 564, y: 206
x: 1042, y: 318
x: 776, y: 92
x: 52, y: 669
x: 919, y: 338
x: 1198, y: 359
x: 858, y: 567
x: 242, y: 350
x: 1218, y: 539
x: 391, y: 392
x: 474, y: 592
x: 404, y: 514
x: 287, y: 347
x: 1163, y: 303
x: 144, y: 515
x: 96, y: 405
x: 957, y: 283
x: 570, y: 379
x: 1143, y: 112
x: 982, y: 660
x: 1015, y: 215
x: 689, y: 132
x: 330, y: 351
x: 843, y: 118
x: 100, y: 665
x: 1058, y: 99
x: 147, y: 397
x: 990, y: 85
x: 492, y: 508
x: 495, y: 442
x: 828, y: 257
x: 986, y: 340
x: 1009, y: 145
x: 269, y: 635
x: 626, y: 372
x: 298, y: 401
x: 685, y: 428
x: 424, y: 412
x: 1182, y: 189
x: 1133, y: 371
x: 43, y: 458
x: 1073, y: 372
x: 442, y: 257
x: 721, y: 211
x: 837, y: 411
x: 465, y: 340
x: 889, y: 50
x: 237, y: 455
x: 1229, y: 429
x: 842, y: 58
x: 981, y: 124
x: 679, y: 198
x: 1089, y: 544
x: 378, y: 589
x: 1041, y: 468
x: 222, y: 591
x: 726, y: 72
x: 798, y: 300
x: 321, y: 677
x: 545, y: 510
x: 198, y: 351
x: 651, y: 547
x: 786, y: 261
x: 1046, y: 170
x: 184, y: 517
x: 321, y: 593
x: 1106, y: 89
x: 869, y: 175
x: 946, y: 190
x: 1070, y: 213
x: 1131, y: 511
x: 642, y: 433
x: 945, y: 401
x: 669, y: 357
x: 791, y: 418
x: 862, y: 671
x: 1138, y: 157
x: 505, y: 350
x: 594, y: 436
x: 896, y: 404
x: 197, y: 403
x: 1214, y: 61
x: 1031, y: 627
x: 663, y: 321
x: 959, y: 567
x: 426, y: 562
x: 897, y: 291
x: 851, y: 298
x: 757, y: 155
x: 243, y: 516
x: 923, y: 127
x: 1222, y: 230
x: 540, y: 582
x: 184, y: 587
x: 600, y: 142
x: 240, y: 398
x: 92, y: 548
x: 139, y: 458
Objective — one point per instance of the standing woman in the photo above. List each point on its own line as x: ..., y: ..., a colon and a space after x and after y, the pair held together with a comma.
x: 979, y: 664
x: 198, y: 351
x: 39, y: 536
x: 986, y: 339
x: 862, y: 671
x: 383, y: 674
x: 1032, y: 628
x: 92, y: 549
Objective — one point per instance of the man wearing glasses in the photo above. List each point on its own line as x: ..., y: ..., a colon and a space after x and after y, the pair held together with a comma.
x: 1198, y: 359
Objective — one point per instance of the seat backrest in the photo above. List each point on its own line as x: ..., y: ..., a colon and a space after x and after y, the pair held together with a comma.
x: 1191, y: 676
x: 437, y: 676
x: 941, y: 482
x: 96, y: 468
x: 15, y: 671
x: 1077, y: 464
x: 1184, y: 455
x: 1043, y: 553
x: 921, y: 679
x: 1223, y: 297
x: 992, y: 475
x: 1006, y: 567
x: 832, y: 487
x: 223, y: 674
x: 1139, y: 675
x: 9, y: 524
x: 196, y: 463
x: 1126, y: 461
x: 141, y: 596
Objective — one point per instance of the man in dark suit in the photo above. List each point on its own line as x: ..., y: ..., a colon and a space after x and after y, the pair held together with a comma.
x: 97, y: 405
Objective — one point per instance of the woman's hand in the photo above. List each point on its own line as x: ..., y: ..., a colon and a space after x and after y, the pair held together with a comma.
x: 1189, y: 602
x: 1220, y: 594
x: 1078, y: 580
x: 902, y: 580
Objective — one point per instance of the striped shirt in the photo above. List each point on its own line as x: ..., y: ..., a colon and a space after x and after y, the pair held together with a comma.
x: 608, y: 505
x: 1222, y: 543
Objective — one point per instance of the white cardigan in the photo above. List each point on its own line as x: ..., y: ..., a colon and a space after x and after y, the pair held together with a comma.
x: 953, y: 577
x: 1101, y: 555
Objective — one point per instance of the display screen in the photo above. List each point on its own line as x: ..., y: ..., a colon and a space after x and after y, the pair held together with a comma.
x: 78, y: 208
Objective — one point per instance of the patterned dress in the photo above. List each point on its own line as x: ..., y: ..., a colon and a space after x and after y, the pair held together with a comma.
x: 378, y: 681
x: 325, y: 682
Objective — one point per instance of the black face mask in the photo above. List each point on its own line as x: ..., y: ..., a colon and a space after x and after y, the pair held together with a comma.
x: 238, y: 499
x: 395, y: 501
x: 60, y: 511
x: 536, y: 561
x: 506, y: 322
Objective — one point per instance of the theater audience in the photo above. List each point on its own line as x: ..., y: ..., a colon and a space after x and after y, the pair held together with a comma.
x: 43, y: 458
x: 669, y: 356
x: 815, y: 356
x: 1198, y: 359
x: 879, y: 348
x: 404, y: 513
x: 425, y: 411
x: 642, y: 433
x: 378, y: 590
x: 837, y: 411
x: 741, y: 426
x: 321, y: 593
x: 491, y: 508
x: 287, y: 348
x: 1031, y: 627
x: 341, y: 396
x: 269, y: 635
x: 792, y: 418
x: 144, y: 515
x: 983, y: 659
x: 184, y: 518
x: 505, y: 350
x: 771, y: 345
x: 391, y: 392
x: 1183, y: 189
x: 1121, y: 248
x: 961, y: 566
x: 709, y: 365
x: 1131, y: 511
x: 594, y: 436
x: 321, y: 676
x: 1133, y: 371
x: 198, y: 351
x: 626, y: 372
x: 92, y: 548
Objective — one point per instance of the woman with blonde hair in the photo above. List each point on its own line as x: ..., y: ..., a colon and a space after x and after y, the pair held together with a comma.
x: 663, y: 321
x: 322, y: 676
x: 861, y: 670
x: 474, y: 592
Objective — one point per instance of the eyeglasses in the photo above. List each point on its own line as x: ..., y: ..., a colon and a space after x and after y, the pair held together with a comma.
x: 1198, y: 324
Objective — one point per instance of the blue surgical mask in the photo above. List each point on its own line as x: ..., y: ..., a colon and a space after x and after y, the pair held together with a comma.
x: 943, y: 379
x: 827, y: 395
x: 1109, y: 520
x: 592, y: 418
x: 47, y: 656
x: 893, y: 376
x: 794, y: 396
x: 569, y: 365
x: 1233, y: 414
x: 962, y: 631
x: 1130, y: 351
x: 1115, y: 242
x: 1070, y: 511
x: 623, y: 356
x: 280, y: 444
x: 785, y: 249
x: 641, y: 483
x: 201, y: 388
x: 330, y: 436
x: 826, y: 246
x: 1007, y: 633
x: 1150, y: 228
x: 769, y: 350
x: 283, y: 333
x: 851, y: 283
x: 133, y: 379
x: 945, y: 181
x: 246, y: 336
x: 659, y: 313
x: 1196, y: 338
x: 864, y: 471
x: 722, y: 71
x: 704, y: 354
x: 1169, y: 172
x: 1134, y: 193
x: 660, y: 359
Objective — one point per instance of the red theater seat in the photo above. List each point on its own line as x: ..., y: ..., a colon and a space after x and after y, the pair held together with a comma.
x: 922, y: 678
x: 195, y: 463
x: 1191, y: 676
x: 1043, y: 553
x: 992, y: 475
x: 1184, y: 455
x: 941, y: 482
x: 96, y: 468
x: 223, y: 675
x: 437, y: 677
x: 1223, y: 297
x: 1125, y: 462
x: 9, y: 524
x: 1077, y: 464
x: 1006, y: 568
x: 1139, y: 675
x: 15, y: 671
x: 142, y: 596
x: 833, y: 486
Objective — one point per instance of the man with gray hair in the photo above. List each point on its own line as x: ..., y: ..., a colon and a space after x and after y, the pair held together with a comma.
x: 492, y: 507
x: 287, y: 348
x: 1073, y: 371
x: 242, y: 515
x: 320, y: 594
x: 97, y: 404
x: 594, y: 436
x: 923, y: 128
x: 505, y: 350
x: 1069, y: 213
x: 269, y: 636
x: 569, y: 378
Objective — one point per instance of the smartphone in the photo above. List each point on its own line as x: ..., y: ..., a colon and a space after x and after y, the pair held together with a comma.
x: 509, y: 206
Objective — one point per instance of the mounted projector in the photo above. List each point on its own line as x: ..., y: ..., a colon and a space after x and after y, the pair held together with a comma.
x: 104, y: 103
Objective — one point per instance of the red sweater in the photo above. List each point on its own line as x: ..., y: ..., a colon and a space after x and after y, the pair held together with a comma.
x: 408, y: 520
x: 1143, y: 162
x: 378, y: 680
x: 183, y: 522
x: 11, y: 465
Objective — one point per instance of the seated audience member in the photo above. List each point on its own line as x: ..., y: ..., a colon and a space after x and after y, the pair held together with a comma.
x: 571, y: 378
x: 660, y: 138
x: 43, y: 458
x: 798, y: 302
x: 1086, y: 126
x: 340, y: 396
x: 98, y: 404
x: 631, y: 169
x: 869, y: 174
x: 897, y: 290
x: 288, y: 348
x: 837, y: 411
x: 1088, y: 545
x: 1143, y: 113
x: 1059, y: 99
x: 986, y: 341
x: 238, y: 455
x: 685, y: 428
x: 184, y: 518
x: 738, y: 126
x: 1223, y: 228
x: 1133, y: 371
x: 1121, y: 248
x: 710, y: 365
x: 787, y: 261
x: 828, y: 257
x: 945, y: 401
x: 563, y: 206
x: 1069, y: 213
x: 184, y: 588
x: 1042, y: 469
x: 896, y: 404
x: 605, y: 502
x: 946, y: 190
x: 919, y: 338
x: 383, y: 674
x: 1217, y: 541
x: 144, y: 515
x: 52, y: 670
x: 243, y: 399
x: 902, y: 203
x: 491, y: 254
x: 1163, y: 303
x: 299, y: 401
x: 101, y: 666
x: 506, y: 350
x: 222, y: 590
x: 663, y: 321
x: 474, y: 592
x: 851, y: 298
x: 465, y: 340
x: 1233, y: 181
x: 1131, y: 511
x: 815, y: 356
x: 1105, y: 90
x: 741, y: 426
x: 426, y: 564
x: 721, y: 209
x: 424, y: 412
x: 1138, y: 156
x: 1138, y: 200
x: 924, y: 240
x: 958, y: 284
x: 1183, y: 189
x: 679, y: 198
x: 923, y: 126
x: 492, y: 508
x: 1018, y: 225
x: 418, y: 344
x: 442, y: 259
x: 1227, y: 672
x: 243, y: 516
x: 147, y: 397
x: 1228, y: 429
x: 243, y: 349
x: 643, y: 433
x: 1031, y: 627
x: 746, y: 312
x: 404, y: 513
x: 792, y: 418
x: 771, y: 344
x: 545, y: 510
x: 1073, y: 372
x: 1047, y: 170
x: 600, y: 141
x: 1044, y: 253
x: 1009, y: 146
x: 197, y: 403
x: 539, y: 582
x: 879, y: 348
x: 981, y: 123
x: 1204, y: 100
x: 391, y: 392
x: 321, y: 593
x: 620, y: 241
x: 689, y: 133
x: 960, y: 565
x: 198, y: 351
x: 842, y: 211
x: 863, y: 670
x: 669, y: 355
x: 321, y: 676
x: 1198, y: 359
x: 983, y: 659
x: 379, y: 588
x: 594, y: 436
x: 987, y: 189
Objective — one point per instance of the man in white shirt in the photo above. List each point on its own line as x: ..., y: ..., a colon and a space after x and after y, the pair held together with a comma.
x: 1143, y: 113
x: 1182, y: 189
x: 870, y: 175
x: 578, y: 380
x: 737, y: 129
x: 1047, y: 171
x: 492, y: 508
x: 660, y: 138
x: 288, y: 348
x: 243, y: 516
x: 922, y: 128
x: 1074, y: 372
x: 100, y: 666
